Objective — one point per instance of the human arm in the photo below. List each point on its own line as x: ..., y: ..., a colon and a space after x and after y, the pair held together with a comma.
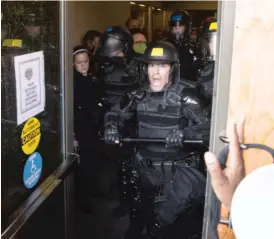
x: 194, y: 110
x: 225, y: 182
x: 120, y: 114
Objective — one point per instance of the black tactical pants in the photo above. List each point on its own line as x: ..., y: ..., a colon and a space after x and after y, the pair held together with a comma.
x: 166, y: 195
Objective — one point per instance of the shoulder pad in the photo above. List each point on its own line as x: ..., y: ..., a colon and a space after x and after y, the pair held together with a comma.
x: 208, y: 69
x: 205, y: 88
x: 129, y: 97
x: 137, y: 94
x: 190, y: 97
x: 174, y: 93
x: 132, y: 69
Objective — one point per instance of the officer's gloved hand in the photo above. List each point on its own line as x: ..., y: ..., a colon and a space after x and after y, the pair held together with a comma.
x: 111, y: 135
x: 175, y: 138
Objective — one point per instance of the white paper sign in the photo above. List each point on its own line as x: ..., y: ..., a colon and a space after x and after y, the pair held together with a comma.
x: 30, y: 85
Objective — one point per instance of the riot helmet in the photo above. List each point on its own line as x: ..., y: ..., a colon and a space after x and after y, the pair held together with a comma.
x: 160, y: 66
x: 180, y: 24
x: 206, y: 21
x: 116, y: 42
x: 209, y: 40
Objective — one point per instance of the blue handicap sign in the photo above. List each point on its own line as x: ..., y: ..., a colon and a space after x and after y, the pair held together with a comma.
x: 32, y: 170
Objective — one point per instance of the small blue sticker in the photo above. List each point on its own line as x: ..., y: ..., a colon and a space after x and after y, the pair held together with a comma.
x: 109, y: 29
x: 32, y: 170
x: 177, y: 18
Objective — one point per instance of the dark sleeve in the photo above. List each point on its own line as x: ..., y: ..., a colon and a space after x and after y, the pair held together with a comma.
x: 206, y: 82
x: 196, y: 112
x: 194, y: 106
x: 121, y: 112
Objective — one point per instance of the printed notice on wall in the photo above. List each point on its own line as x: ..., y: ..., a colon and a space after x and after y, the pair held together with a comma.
x: 30, y: 85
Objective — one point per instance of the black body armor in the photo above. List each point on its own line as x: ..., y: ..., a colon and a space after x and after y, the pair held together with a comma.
x: 206, y: 80
x: 164, y: 181
x: 188, y: 54
x: 159, y: 113
x: 118, y: 81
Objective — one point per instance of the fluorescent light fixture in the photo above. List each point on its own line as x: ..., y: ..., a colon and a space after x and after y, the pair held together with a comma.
x: 159, y: 9
x: 142, y: 5
x: 132, y: 3
x: 153, y: 8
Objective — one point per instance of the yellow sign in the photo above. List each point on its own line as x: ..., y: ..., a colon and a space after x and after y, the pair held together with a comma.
x: 213, y: 26
x: 12, y: 43
x: 31, y: 135
x: 157, y: 52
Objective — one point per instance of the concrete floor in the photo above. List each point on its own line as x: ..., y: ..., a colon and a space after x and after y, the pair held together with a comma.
x: 101, y: 224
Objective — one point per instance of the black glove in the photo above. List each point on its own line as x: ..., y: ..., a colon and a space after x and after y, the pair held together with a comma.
x: 111, y: 135
x: 198, y: 132
x: 175, y: 138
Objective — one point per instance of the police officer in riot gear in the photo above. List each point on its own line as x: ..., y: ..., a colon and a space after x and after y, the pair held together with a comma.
x: 118, y: 68
x: 163, y: 182
x: 180, y: 27
x: 208, y: 50
x: 180, y: 24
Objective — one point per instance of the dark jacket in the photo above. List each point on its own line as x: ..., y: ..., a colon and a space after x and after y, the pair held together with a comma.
x: 87, y: 99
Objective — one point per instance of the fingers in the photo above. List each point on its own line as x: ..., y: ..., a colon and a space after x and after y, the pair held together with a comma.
x: 218, y: 179
x: 240, y: 130
x: 235, y: 161
x: 234, y: 146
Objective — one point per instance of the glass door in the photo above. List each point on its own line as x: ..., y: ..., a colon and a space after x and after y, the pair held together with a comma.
x: 36, y: 103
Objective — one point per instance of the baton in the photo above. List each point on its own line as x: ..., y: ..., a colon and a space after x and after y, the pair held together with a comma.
x: 155, y: 140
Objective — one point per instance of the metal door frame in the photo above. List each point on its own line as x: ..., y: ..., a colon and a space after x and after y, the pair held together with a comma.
x: 222, y: 74
x: 66, y: 66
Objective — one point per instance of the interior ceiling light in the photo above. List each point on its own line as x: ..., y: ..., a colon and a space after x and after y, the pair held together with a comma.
x: 132, y: 3
x: 142, y: 5
x: 159, y: 9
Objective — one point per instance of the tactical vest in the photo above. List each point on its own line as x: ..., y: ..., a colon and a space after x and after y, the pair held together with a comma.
x: 158, y: 113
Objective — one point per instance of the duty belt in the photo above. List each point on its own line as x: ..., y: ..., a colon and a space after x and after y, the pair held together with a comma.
x: 167, y: 167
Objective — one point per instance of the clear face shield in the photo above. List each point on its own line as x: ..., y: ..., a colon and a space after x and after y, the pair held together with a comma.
x: 208, y: 47
x: 178, y: 30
